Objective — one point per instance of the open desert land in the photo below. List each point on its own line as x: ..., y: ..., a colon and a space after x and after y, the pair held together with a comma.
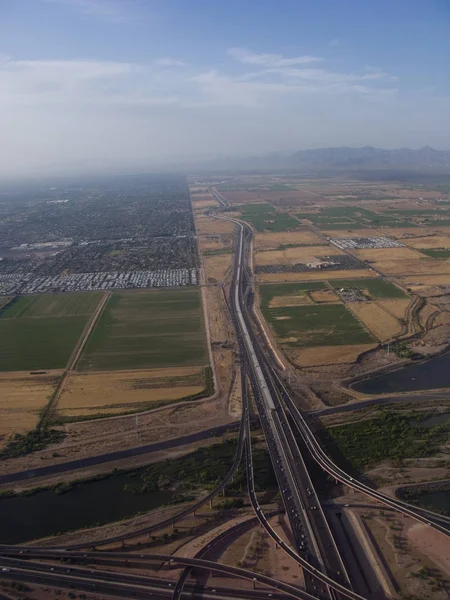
x: 383, y: 325
x: 206, y: 225
x: 41, y: 332
x: 280, y: 239
x: 114, y: 392
x: 216, y: 267
x: 22, y: 397
x: 147, y: 329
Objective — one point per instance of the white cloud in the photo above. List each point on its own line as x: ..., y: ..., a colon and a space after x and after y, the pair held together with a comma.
x: 116, y: 112
x: 269, y: 60
x: 169, y: 62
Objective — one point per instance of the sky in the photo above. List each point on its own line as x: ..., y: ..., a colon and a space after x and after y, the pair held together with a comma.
x: 138, y: 84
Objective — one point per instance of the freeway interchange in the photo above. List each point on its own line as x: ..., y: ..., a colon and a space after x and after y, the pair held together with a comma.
x: 288, y: 436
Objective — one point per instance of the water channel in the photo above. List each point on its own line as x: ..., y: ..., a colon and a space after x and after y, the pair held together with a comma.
x: 45, y: 513
x: 431, y: 374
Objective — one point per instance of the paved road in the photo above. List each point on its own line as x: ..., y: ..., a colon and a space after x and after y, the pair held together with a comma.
x: 118, y: 455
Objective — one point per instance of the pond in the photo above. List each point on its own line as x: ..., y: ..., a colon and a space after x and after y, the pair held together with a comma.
x: 45, y: 513
x: 436, y: 501
x: 431, y: 374
x: 437, y: 419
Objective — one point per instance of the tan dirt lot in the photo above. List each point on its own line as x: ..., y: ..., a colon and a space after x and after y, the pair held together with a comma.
x: 324, y: 296
x: 22, y: 396
x: 327, y: 355
x: 297, y: 300
x: 431, y: 241
x: 206, y: 203
x: 121, y: 391
x: 320, y: 275
x: 217, y: 266
x: 275, y: 238
x: 396, y: 307
x: 377, y: 320
x: 387, y: 254
x: 294, y: 255
x: 210, y: 244
x: 414, y: 267
x: 207, y: 225
x: 417, y: 280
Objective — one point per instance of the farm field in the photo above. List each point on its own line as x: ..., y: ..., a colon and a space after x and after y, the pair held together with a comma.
x: 436, y: 252
x: 22, y: 397
x: 302, y: 254
x: 264, y: 217
x: 53, y: 305
x: 277, y: 239
x: 316, y: 325
x: 396, y: 307
x: 99, y: 394
x: 148, y: 329
x: 383, y: 325
x: 380, y: 254
x: 374, y: 288
x: 429, y: 242
x: 320, y: 275
x: 414, y: 267
x: 272, y: 294
x: 4, y: 300
x: 30, y: 344
x: 327, y: 355
x: 348, y: 217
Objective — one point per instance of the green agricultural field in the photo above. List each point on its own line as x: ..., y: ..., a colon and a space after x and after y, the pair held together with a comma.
x: 264, y: 217
x: 272, y: 290
x: 346, y: 217
x: 376, y: 288
x: 436, y: 252
x: 148, y: 329
x: 29, y: 344
x: 316, y: 325
x: 52, y: 305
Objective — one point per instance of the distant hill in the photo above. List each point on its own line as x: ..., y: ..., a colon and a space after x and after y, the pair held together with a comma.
x: 371, y: 157
x: 344, y: 159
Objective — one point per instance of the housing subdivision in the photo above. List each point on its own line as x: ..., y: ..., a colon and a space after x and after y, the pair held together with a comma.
x: 365, y: 242
x: 30, y: 284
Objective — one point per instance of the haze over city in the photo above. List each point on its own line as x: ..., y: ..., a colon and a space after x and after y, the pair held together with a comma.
x: 90, y: 85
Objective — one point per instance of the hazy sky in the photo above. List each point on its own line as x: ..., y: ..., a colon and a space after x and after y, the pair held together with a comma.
x: 135, y: 83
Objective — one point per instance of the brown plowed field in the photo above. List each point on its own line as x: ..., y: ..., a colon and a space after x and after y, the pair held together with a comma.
x: 380, y: 254
x: 431, y: 241
x: 326, y: 355
x: 122, y: 391
x: 396, y: 307
x: 275, y: 238
x: 413, y: 267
